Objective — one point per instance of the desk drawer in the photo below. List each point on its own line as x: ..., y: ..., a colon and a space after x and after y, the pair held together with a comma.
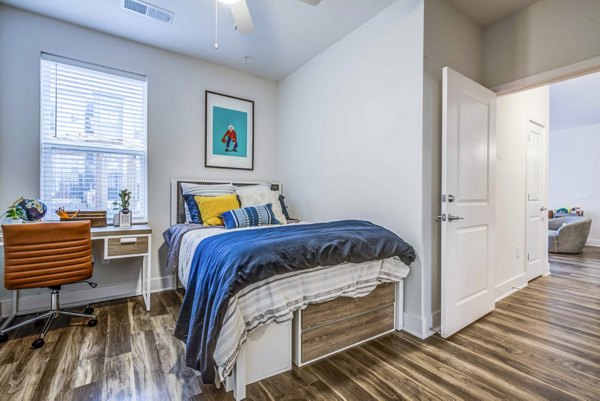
x: 127, y: 246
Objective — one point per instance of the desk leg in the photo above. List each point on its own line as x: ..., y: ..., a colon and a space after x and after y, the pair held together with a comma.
x: 14, y: 309
x: 15, y: 301
x: 147, y: 274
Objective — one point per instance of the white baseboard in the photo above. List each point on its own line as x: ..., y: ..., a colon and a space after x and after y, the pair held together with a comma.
x: 158, y: 284
x: 41, y: 302
x: 593, y: 242
x: 413, y: 325
x: 422, y: 328
x: 547, y: 269
x: 510, y: 286
x: 435, y: 322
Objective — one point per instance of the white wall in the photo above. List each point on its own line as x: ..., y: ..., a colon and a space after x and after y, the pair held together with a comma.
x: 511, y: 182
x: 176, y: 86
x: 453, y: 40
x: 350, y: 130
x: 546, y: 35
x: 574, y: 168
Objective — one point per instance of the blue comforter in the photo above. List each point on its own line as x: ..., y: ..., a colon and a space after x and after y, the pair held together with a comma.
x: 225, y: 264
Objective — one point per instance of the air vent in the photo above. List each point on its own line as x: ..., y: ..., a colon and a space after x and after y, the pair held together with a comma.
x: 140, y: 7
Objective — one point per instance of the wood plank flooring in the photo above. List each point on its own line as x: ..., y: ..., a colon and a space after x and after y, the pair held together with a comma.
x: 541, y: 343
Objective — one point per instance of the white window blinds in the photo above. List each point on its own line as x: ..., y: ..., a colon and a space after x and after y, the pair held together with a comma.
x: 93, y: 136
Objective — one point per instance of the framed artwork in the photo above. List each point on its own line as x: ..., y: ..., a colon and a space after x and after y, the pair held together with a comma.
x: 229, y: 133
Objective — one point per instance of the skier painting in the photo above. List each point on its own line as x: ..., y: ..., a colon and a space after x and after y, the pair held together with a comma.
x: 229, y: 138
x: 229, y: 131
x: 229, y: 135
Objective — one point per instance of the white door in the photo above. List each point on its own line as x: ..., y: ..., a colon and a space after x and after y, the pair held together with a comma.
x: 468, y: 156
x: 536, y: 211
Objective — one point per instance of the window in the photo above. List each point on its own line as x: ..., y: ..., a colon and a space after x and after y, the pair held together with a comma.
x: 93, y: 136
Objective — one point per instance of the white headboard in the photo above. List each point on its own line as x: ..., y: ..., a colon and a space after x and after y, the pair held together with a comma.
x: 177, y: 208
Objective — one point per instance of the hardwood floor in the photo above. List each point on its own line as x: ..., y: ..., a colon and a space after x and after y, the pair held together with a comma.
x: 541, y: 343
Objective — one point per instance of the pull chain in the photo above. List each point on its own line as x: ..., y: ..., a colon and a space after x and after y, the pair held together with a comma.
x: 216, y: 24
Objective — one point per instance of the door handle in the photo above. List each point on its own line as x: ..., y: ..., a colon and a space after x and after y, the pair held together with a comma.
x: 452, y: 217
x: 543, y: 209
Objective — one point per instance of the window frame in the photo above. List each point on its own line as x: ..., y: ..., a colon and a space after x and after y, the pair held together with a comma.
x: 96, y: 149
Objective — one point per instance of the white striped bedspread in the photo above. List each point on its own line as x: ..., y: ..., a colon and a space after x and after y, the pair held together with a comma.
x: 277, y: 298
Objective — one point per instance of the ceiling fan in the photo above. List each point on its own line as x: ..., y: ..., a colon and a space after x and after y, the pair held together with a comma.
x: 242, y: 17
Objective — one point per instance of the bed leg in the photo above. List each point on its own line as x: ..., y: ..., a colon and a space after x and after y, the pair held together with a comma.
x: 239, y: 376
x: 399, y: 312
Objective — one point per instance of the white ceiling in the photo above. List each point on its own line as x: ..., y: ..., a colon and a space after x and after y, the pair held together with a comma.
x: 288, y: 32
x: 575, y: 102
x: 484, y: 12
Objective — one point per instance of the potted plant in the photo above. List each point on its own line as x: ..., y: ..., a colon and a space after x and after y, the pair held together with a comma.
x: 123, y: 218
x: 13, y: 214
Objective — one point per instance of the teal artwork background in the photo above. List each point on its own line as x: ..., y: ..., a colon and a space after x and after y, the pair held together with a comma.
x: 222, y: 119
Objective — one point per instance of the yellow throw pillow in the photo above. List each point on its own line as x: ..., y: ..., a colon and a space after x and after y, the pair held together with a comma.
x: 211, y: 207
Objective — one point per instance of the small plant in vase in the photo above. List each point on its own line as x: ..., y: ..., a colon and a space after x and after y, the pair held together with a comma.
x: 13, y: 214
x: 123, y: 218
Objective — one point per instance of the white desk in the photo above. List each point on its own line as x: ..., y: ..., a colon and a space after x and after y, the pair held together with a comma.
x: 120, y: 243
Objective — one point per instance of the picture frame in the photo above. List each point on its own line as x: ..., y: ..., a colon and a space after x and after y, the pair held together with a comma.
x: 229, y: 132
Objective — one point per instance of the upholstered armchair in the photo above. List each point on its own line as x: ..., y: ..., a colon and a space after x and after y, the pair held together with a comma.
x: 568, y: 234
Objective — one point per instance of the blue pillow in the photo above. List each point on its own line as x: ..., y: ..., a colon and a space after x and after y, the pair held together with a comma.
x: 251, y: 216
x: 193, y: 209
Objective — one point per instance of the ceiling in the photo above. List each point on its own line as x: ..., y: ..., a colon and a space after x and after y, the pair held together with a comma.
x: 288, y: 32
x: 575, y: 102
x: 485, y: 12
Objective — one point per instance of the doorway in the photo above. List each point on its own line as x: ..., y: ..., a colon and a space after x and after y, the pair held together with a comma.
x: 547, y: 155
x: 520, y: 161
x: 573, y: 184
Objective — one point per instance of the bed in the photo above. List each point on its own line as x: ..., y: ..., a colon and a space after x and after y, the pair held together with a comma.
x: 258, y: 298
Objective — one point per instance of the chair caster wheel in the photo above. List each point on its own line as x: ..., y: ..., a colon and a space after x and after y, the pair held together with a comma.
x: 92, y: 322
x: 3, y: 338
x: 89, y: 310
x: 38, y: 343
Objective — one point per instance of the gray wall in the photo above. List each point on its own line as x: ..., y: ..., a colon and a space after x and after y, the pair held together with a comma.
x: 512, y: 112
x: 453, y: 40
x: 176, y: 86
x: 546, y: 35
x: 573, y: 172
x: 351, y: 129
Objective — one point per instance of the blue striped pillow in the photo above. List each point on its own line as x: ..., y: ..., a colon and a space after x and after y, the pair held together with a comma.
x: 192, y: 208
x: 251, y: 216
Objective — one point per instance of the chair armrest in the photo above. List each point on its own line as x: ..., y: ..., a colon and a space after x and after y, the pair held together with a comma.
x: 573, y: 236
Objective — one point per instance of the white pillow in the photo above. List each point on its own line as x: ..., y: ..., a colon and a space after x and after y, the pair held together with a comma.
x: 260, y: 196
x: 263, y: 186
x: 207, y: 190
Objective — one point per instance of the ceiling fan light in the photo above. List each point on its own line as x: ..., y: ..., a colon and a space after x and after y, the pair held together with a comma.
x: 228, y: 2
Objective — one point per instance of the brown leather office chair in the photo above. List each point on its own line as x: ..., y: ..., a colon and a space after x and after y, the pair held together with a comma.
x: 46, y: 255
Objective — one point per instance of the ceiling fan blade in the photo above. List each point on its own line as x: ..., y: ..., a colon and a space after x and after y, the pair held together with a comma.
x: 311, y: 2
x: 242, y: 17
